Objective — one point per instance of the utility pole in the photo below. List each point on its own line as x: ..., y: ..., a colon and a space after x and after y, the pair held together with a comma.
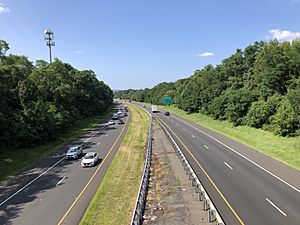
x: 49, y: 37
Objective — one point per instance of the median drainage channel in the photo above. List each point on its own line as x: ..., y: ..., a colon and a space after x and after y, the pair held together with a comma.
x: 171, y: 199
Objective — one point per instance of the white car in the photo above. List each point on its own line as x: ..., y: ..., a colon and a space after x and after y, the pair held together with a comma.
x: 111, y: 122
x: 90, y: 159
x: 74, y: 152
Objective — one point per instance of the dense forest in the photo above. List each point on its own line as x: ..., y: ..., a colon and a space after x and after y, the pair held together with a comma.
x: 39, y: 101
x: 258, y: 86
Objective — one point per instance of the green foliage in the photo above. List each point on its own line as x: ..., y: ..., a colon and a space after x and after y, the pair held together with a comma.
x: 38, y: 102
x: 258, y: 114
x: 3, y: 47
x: 246, y: 88
x: 286, y: 121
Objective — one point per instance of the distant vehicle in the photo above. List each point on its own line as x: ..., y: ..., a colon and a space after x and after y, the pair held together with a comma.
x: 120, y: 121
x: 90, y: 159
x: 154, y: 109
x: 74, y: 152
x: 119, y: 113
x: 115, y: 117
x: 125, y: 108
x: 125, y: 114
x: 144, y: 106
x: 111, y: 122
x: 167, y: 113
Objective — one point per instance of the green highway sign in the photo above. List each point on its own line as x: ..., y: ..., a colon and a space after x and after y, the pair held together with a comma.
x: 167, y: 100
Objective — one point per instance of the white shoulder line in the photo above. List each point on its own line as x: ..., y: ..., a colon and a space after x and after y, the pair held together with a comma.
x: 283, y: 181
x: 31, y: 182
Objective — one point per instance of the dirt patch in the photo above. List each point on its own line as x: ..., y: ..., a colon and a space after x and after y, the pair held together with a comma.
x: 171, y: 200
x: 125, y: 149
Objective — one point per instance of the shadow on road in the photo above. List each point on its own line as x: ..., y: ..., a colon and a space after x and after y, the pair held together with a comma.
x: 11, y: 207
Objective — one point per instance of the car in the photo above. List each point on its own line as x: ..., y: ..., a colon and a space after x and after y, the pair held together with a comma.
x: 74, y: 152
x: 167, y: 113
x: 125, y: 114
x: 144, y: 106
x: 90, y: 159
x: 111, y: 122
x: 120, y: 121
x: 115, y: 117
x: 119, y: 113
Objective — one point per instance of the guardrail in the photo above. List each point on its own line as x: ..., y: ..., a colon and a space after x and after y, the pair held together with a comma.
x: 138, y: 213
x: 213, y: 215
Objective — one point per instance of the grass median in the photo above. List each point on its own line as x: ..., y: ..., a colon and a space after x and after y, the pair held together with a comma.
x: 13, y: 162
x: 284, y: 149
x: 115, y: 198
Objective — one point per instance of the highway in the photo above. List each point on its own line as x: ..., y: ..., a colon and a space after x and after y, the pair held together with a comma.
x: 246, y: 186
x: 56, y: 190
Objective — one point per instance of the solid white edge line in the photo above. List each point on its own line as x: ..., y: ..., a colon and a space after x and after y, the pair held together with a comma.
x: 60, y: 181
x: 276, y: 207
x: 30, y: 182
x: 267, y: 171
x: 10, y: 197
x: 228, y: 165
x: 206, y: 147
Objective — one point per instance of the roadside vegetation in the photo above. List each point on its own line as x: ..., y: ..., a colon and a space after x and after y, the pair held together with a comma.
x: 258, y: 87
x: 253, y: 96
x: 115, y: 198
x: 284, y: 149
x: 12, y: 162
x: 41, y: 101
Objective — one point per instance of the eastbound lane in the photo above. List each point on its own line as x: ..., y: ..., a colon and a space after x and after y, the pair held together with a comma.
x: 256, y: 196
x: 61, y: 194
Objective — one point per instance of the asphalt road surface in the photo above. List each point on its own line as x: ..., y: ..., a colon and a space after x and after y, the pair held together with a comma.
x: 246, y: 186
x: 56, y: 190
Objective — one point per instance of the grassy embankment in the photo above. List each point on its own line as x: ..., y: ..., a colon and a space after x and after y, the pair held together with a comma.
x: 14, y: 161
x: 286, y: 150
x: 115, y: 198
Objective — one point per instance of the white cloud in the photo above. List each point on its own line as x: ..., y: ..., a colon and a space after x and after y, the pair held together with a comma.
x: 3, y: 9
x: 78, y: 52
x: 205, y: 54
x: 284, y: 35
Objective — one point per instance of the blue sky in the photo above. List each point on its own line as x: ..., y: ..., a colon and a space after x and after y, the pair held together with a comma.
x: 139, y: 43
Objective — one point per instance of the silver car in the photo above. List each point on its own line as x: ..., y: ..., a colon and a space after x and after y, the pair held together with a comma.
x: 74, y: 152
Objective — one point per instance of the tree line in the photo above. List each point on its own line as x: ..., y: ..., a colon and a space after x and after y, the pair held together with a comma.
x: 39, y: 101
x: 258, y: 86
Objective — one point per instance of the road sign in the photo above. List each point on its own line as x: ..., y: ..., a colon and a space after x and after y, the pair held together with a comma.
x: 167, y: 100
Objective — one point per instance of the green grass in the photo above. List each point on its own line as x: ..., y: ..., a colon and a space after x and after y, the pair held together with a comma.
x: 284, y: 149
x: 115, y: 198
x: 13, y: 162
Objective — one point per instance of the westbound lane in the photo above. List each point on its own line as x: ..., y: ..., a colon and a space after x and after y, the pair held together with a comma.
x: 256, y: 196
x: 59, y: 190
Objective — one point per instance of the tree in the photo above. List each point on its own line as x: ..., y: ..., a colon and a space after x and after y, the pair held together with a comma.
x: 3, y: 47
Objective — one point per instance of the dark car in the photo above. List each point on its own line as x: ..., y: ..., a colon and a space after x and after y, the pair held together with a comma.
x: 120, y: 121
x: 167, y: 114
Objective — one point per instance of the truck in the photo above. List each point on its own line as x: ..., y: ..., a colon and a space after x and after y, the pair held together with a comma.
x: 154, y: 109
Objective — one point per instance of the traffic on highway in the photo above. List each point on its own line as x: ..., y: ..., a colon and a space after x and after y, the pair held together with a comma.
x: 59, y: 187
